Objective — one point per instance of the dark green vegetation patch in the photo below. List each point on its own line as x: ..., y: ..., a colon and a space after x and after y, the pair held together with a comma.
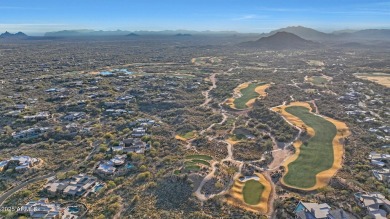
x: 199, y: 156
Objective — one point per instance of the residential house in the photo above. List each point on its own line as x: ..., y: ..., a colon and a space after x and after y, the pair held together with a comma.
x: 306, y: 210
x: 41, y: 209
x: 75, y: 186
x: 115, y: 104
x: 30, y: 133
x: 13, y: 113
x: 22, y: 163
x: 134, y: 145
x: 114, y: 167
x: 382, y: 175
x: 139, y: 132
x: 375, y: 203
x: 379, y: 160
x: 73, y: 116
x: 3, y: 165
x: 20, y: 107
x: 38, y: 117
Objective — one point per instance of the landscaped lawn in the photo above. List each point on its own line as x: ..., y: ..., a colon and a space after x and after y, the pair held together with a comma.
x: 248, y: 93
x: 201, y: 162
x: 252, y: 192
x: 192, y: 168
x: 199, y: 157
x: 316, y: 155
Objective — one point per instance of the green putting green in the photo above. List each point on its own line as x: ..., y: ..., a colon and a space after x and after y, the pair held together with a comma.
x: 248, y: 93
x: 201, y: 162
x: 252, y: 192
x: 316, y: 155
x: 199, y: 157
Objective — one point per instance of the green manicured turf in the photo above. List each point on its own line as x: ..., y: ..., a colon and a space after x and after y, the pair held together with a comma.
x: 192, y: 168
x: 188, y: 135
x: 199, y: 157
x: 189, y: 163
x: 252, y: 192
x: 315, y: 156
x: 248, y: 93
x: 201, y: 162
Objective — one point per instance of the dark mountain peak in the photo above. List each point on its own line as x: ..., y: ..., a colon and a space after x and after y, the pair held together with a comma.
x: 280, y: 41
x: 20, y: 34
x: 282, y: 36
x: 8, y: 35
x: 304, y: 32
x: 132, y: 34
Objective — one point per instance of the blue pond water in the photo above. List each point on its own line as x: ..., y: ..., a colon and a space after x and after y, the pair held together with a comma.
x: 98, y: 187
x: 129, y: 166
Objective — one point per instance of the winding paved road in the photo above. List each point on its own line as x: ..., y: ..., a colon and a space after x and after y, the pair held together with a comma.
x: 10, y: 192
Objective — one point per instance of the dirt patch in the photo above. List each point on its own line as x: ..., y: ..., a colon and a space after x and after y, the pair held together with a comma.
x: 178, y: 137
x: 261, y: 91
x: 379, y: 78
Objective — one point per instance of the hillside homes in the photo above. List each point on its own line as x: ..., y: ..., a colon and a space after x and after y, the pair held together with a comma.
x: 37, y: 117
x: 31, y: 133
x: 19, y: 163
x: 381, y: 164
x: 134, y: 145
x: 41, y: 209
x: 376, y: 204
x: 76, y: 186
x: 117, y: 166
x: 306, y: 210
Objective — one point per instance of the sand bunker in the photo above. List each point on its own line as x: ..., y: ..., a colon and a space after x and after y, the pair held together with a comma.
x: 178, y: 137
x: 237, y: 198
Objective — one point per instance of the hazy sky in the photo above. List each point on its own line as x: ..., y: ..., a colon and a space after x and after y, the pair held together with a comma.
x: 34, y: 16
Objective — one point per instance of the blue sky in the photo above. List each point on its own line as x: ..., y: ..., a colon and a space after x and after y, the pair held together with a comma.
x: 37, y: 16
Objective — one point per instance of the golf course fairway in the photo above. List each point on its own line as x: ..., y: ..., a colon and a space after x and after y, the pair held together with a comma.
x: 318, y: 158
x: 246, y: 94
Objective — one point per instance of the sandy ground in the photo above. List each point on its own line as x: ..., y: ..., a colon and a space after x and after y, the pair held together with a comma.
x: 261, y: 91
x: 238, y: 199
x: 382, y: 80
x: 231, y: 141
x: 342, y: 132
x: 178, y: 137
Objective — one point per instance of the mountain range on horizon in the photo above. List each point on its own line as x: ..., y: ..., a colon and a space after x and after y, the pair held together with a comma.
x: 281, y: 41
x: 303, y: 32
x: 300, y: 31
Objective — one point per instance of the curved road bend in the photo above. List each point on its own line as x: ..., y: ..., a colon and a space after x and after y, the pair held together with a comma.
x: 10, y: 192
